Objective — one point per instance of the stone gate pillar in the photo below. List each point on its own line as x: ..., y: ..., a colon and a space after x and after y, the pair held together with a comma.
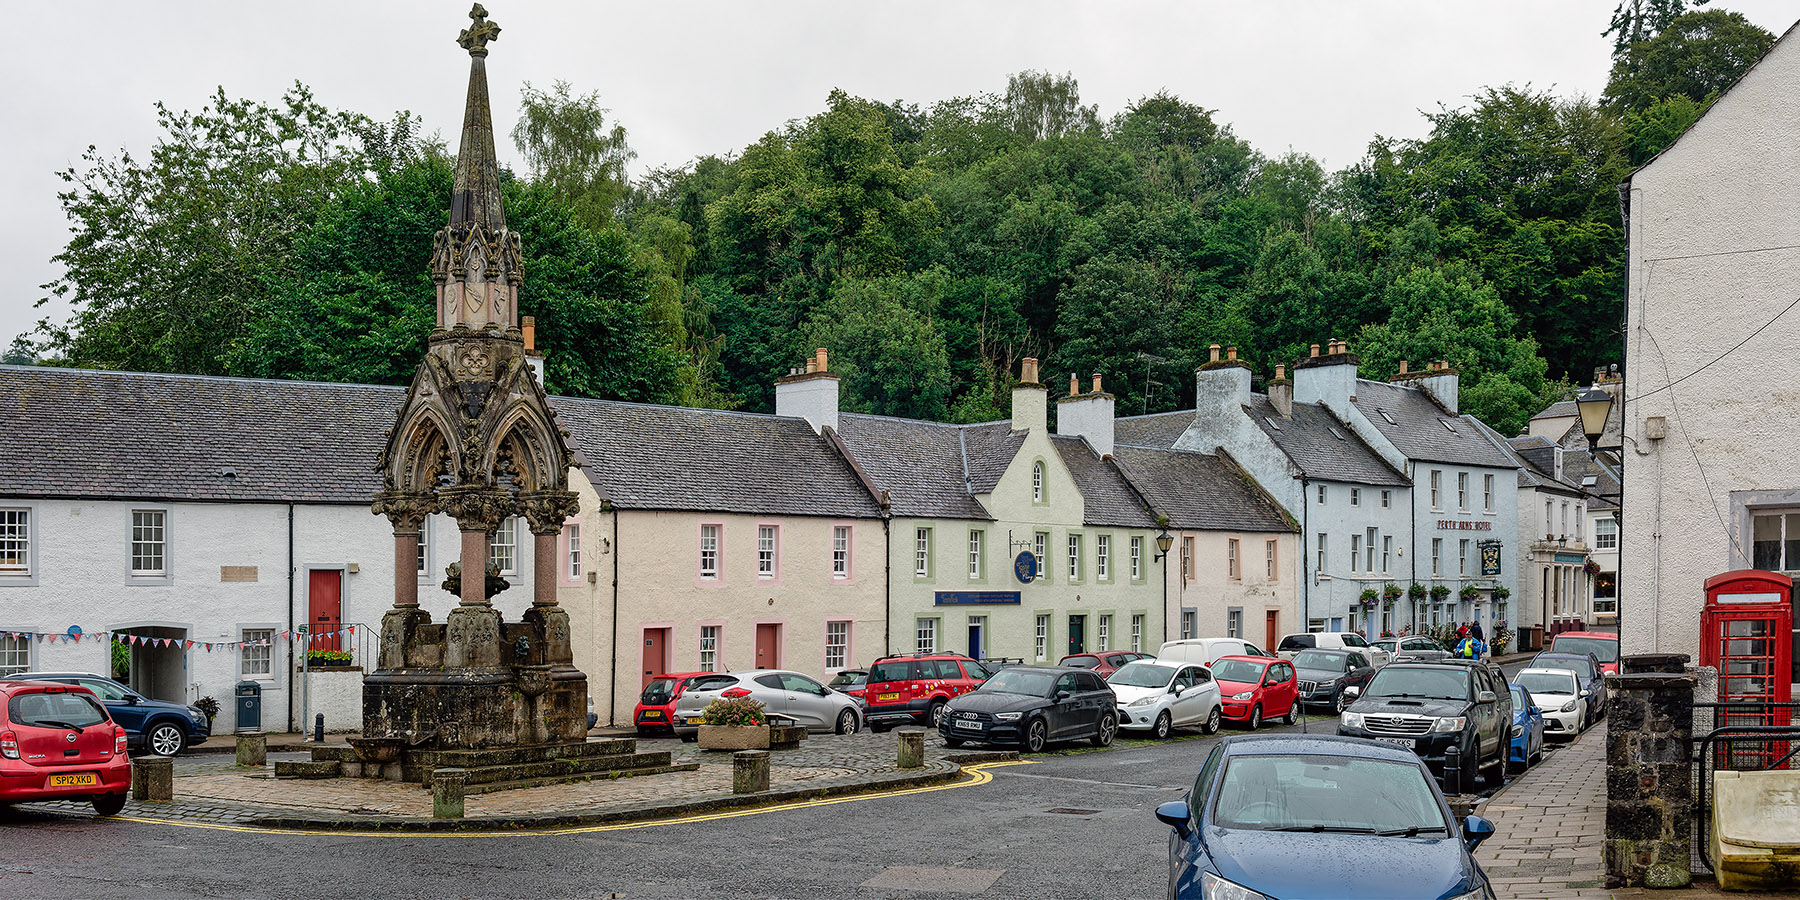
x: 1649, y: 790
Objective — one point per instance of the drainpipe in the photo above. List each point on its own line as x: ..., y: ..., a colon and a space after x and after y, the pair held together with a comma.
x: 612, y: 695
x: 1305, y: 554
x: 290, y: 617
x: 1412, y: 496
x: 887, y: 607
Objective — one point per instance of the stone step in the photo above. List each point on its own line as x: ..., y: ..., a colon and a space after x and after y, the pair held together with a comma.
x: 578, y: 777
x: 334, y: 753
x: 470, y: 759
x: 552, y: 768
x: 313, y: 769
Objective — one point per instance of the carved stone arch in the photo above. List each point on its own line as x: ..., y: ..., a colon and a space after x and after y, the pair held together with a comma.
x: 424, y: 452
x: 534, y: 446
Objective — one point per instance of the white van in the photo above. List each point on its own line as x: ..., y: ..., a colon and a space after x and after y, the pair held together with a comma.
x: 1330, y: 640
x: 1206, y: 650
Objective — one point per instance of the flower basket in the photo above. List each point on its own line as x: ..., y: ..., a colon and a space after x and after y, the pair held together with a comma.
x: 1440, y: 593
x: 1390, y: 593
x: 322, y: 658
x: 1591, y: 568
x: 1469, y: 592
x: 1368, y: 597
x: 1417, y: 592
x: 1501, y: 593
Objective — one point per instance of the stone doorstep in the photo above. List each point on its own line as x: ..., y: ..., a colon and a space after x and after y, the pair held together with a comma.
x: 933, y: 772
x: 576, y: 777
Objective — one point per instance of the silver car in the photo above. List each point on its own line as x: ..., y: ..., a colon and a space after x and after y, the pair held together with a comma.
x: 796, y: 695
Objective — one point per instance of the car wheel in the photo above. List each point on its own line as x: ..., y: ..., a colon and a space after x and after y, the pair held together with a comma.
x: 953, y: 743
x: 1292, y: 715
x: 1537, y: 757
x: 109, y: 804
x: 935, y: 713
x: 1162, y: 726
x: 1214, y: 721
x: 165, y: 739
x: 1037, y: 735
x: 1109, y: 726
x: 1255, y: 717
x: 1343, y: 701
x: 847, y: 723
x: 1496, y: 776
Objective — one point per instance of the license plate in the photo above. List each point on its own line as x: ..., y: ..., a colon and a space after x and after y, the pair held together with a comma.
x: 1398, y: 742
x: 886, y: 697
x: 75, y: 780
x: 695, y: 720
x: 653, y: 714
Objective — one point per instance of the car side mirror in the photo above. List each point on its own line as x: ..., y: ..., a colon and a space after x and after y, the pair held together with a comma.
x: 1176, y: 815
x: 1584, y: 692
x: 1475, y: 830
x: 1485, y: 697
x: 131, y: 699
x: 1174, y: 688
x: 1062, y: 695
x: 1536, y: 711
x: 1353, y: 692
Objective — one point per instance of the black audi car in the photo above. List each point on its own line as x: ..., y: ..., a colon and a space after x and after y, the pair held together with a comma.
x: 1433, y: 706
x: 1324, y: 674
x: 1031, y: 706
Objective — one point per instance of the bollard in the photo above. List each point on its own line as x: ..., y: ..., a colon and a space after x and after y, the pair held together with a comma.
x: 319, y: 728
x: 447, y: 792
x: 252, y: 749
x: 1453, y: 769
x: 153, y: 778
x: 912, y: 747
x: 749, y: 771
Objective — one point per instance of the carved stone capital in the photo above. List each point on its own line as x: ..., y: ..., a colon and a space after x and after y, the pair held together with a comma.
x: 406, y: 509
x: 546, y: 511
x: 475, y: 507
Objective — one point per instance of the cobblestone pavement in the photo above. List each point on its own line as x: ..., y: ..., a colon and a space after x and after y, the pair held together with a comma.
x: 211, y: 788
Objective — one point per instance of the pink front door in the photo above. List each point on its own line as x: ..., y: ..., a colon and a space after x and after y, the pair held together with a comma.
x: 656, y: 654
x: 768, y: 646
x: 325, y: 606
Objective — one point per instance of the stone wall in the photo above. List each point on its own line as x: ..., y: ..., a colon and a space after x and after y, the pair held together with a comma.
x: 1649, y: 787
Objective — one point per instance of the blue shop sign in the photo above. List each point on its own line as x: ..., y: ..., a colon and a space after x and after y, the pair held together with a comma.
x: 1570, y: 558
x: 977, y: 598
x: 1025, y: 567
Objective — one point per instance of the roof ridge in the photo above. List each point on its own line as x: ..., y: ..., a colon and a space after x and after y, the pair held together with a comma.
x: 125, y: 373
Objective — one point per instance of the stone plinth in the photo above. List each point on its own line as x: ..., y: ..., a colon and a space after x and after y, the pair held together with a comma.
x: 153, y: 778
x: 1755, y: 838
x: 750, y: 771
x: 1649, y: 794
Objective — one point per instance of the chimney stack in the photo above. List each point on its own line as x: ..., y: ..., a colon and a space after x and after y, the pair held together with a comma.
x: 534, y: 359
x: 1281, y: 393
x: 1221, y: 386
x: 1329, y: 380
x: 1088, y: 415
x: 1030, y: 400
x: 809, y: 392
x: 1441, y: 383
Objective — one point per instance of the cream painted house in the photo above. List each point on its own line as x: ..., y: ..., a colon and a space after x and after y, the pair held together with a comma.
x: 1711, y: 483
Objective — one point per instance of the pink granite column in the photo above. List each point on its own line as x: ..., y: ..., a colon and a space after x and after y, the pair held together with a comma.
x: 543, y: 569
x: 406, y: 568
x: 474, y: 568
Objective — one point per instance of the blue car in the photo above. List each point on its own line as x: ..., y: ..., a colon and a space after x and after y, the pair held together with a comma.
x: 155, y: 726
x: 1527, y: 746
x: 1318, y: 816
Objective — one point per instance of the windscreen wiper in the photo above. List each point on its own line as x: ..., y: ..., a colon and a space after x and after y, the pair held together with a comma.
x: 1412, y: 831
x: 1334, y: 829
x: 72, y: 727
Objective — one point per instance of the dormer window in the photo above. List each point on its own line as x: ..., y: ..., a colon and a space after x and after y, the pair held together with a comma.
x: 1037, y: 482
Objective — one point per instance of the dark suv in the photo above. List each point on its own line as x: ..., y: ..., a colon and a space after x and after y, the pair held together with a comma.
x: 912, y: 689
x: 155, y: 726
x: 1433, y: 706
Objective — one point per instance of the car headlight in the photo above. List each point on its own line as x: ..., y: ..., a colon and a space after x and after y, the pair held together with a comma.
x: 1518, y: 730
x: 1143, y: 701
x: 1212, y: 887
x: 1450, y: 723
x: 1570, y: 706
x: 1351, y: 720
x: 1008, y: 717
x: 1243, y: 695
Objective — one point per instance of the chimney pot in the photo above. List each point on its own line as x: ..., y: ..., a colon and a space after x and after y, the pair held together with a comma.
x: 1074, y: 385
x: 1315, y: 351
x: 1280, y: 372
x: 821, y: 357
x: 1097, y: 383
x: 1028, y: 370
x: 1403, y: 367
x: 1231, y: 353
x: 528, y: 325
x: 1215, y: 353
x: 812, y: 365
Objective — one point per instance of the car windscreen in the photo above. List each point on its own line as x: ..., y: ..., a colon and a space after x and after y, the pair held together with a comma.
x: 1322, y: 660
x: 849, y: 679
x: 1017, y: 681
x: 1580, y: 665
x: 1142, y: 674
x: 1546, y: 682
x: 1324, y: 793
x: 898, y: 670
x: 1518, y: 694
x: 1604, y: 650
x: 1426, y: 683
x: 1297, y: 642
x: 658, y: 691
x: 58, y: 710
x: 1082, y: 662
x: 1239, y: 670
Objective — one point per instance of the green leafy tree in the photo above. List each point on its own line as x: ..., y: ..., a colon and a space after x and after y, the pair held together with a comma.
x: 1697, y: 56
x: 1039, y: 105
x: 886, y: 346
x: 571, y: 148
x: 1114, y: 309
x: 1634, y: 21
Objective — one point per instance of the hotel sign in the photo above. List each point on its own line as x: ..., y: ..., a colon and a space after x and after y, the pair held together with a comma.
x: 1461, y: 525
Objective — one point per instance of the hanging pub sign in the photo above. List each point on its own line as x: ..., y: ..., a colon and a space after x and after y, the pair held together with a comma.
x: 1490, y: 557
x: 1025, y: 567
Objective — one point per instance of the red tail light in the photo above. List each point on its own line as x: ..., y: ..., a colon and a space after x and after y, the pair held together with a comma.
x: 118, y: 740
x: 9, y: 745
x: 735, y: 693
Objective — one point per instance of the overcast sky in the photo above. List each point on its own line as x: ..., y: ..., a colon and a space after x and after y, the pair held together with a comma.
x: 693, y: 78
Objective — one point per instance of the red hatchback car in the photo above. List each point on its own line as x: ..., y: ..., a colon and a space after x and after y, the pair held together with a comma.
x: 1254, y: 688
x: 1603, y: 645
x: 912, y: 689
x: 656, y: 705
x: 58, y: 743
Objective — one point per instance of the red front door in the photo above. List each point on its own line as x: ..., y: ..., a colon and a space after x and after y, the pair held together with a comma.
x: 768, y: 646
x: 656, y: 654
x: 325, y: 604
x: 1271, y: 630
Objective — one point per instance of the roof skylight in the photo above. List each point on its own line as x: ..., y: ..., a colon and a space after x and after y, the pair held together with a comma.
x: 1447, y: 426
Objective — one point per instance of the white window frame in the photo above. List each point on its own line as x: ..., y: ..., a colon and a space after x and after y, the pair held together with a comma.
x: 1190, y: 623
x: 1437, y: 484
x: 1387, y: 499
x: 1271, y: 556
x: 975, y: 535
x: 841, y: 543
x: 709, y: 647
x: 1137, y: 557
x: 1137, y: 633
x: 150, y: 543
x: 425, y: 547
x: 1462, y: 491
x: 922, y: 552
x: 1487, y: 493
x: 1234, y: 622
x: 1355, y: 551
x: 768, y: 543
x: 1437, y: 557
x: 503, y: 547
x: 712, y: 545
x: 1037, y: 482
x: 1231, y: 560
x: 1187, y: 558
x: 1387, y: 552
x: 1780, y: 515
x: 1606, y: 533
x: 16, y: 557
x: 1356, y: 496
x: 1102, y: 554
x: 1103, y: 634
x: 1322, y: 558
x: 837, y: 644
x: 1074, y: 557
x: 15, y: 653
x: 573, y: 565
x: 256, y: 653
x: 1040, y: 641
x: 1321, y: 495
x: 925, y: 632
x: 1462, y: 557
x: 1040, y: 545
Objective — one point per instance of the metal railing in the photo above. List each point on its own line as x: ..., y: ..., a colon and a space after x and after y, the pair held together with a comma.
x: 1741, y: 747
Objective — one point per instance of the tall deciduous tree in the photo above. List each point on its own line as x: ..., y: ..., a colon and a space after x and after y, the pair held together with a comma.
x: 1696, y: 56
x: 572, y: 149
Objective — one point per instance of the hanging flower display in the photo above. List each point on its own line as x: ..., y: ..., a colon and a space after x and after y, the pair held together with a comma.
x: 1591, y: 568
x: 1469, y: 592
x: 1367, y: 597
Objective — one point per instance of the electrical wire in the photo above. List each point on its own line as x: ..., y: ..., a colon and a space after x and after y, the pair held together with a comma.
x: 1733, y: 349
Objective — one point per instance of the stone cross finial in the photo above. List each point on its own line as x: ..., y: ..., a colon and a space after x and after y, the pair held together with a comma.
x: 475, y: 37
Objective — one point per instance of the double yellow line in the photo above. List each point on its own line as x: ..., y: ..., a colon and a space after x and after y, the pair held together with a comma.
x: 972, y: 775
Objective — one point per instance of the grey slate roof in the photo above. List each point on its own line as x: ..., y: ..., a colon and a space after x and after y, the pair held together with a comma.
x: 84, y: 433
x: 1154, y: 430
x: 922, y: 465
x: 1199, y: 491
x: 1107, y: 498
x: 1557, y: 410
x: 706, y: 460
x: 1321, y: 446
x: 1418, y: 427
x: 989, y: 449
x: 1536, y: 457
x: 1578, y: 465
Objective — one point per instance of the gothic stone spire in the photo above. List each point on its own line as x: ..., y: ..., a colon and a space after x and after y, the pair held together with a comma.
x: 476, y: 262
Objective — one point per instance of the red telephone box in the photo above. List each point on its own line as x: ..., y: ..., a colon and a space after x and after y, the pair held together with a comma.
x: 1746, y: 632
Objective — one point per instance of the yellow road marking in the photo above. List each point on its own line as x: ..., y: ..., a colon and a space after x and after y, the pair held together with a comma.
x: 977, y: 774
